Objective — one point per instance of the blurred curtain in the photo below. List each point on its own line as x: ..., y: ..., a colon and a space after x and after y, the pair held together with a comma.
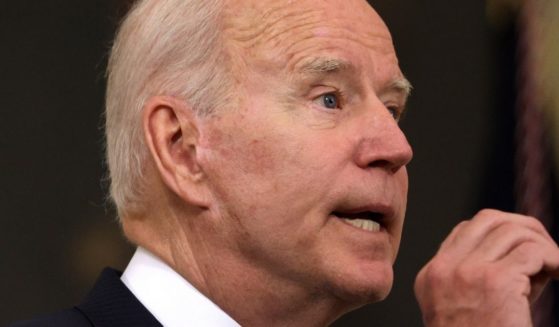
x: 534, y: 113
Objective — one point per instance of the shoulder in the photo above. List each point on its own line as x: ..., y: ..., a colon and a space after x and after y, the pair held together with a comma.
x: 70, y: 317
x: 109, y: 303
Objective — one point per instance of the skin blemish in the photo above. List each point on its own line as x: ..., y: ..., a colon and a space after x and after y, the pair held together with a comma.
x: 321, y: 31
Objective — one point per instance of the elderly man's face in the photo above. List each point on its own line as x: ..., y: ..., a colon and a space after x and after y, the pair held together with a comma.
x: 308, y: 171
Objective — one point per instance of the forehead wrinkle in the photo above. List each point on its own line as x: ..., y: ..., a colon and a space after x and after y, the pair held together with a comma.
x: 373, y: 39
x: 276, y: 39
x: 297, y: 49
x: 295, y: 20
x: 284, y: 34
x: 255, y: 27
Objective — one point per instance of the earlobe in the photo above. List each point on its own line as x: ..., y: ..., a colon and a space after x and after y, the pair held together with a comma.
x: 171, y: 134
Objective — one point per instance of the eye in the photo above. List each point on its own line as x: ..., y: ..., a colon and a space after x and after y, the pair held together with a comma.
x: 395, y: 112
x: 328, y: 100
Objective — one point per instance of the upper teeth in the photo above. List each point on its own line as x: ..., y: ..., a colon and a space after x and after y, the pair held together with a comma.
x: 367, y: 225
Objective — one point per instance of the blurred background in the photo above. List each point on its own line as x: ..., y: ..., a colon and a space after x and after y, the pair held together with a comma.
x: 481, y: 121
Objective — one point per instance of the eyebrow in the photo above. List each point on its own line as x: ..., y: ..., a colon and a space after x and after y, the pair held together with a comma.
x: 325, y: 65
x: 322, y: 65
x: 401, y: 85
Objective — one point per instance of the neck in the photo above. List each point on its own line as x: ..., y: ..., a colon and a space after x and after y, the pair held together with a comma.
x: 254, y: 298
x: 249, y: 293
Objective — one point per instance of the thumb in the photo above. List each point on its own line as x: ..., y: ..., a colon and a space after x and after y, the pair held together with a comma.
x: 538, y: 283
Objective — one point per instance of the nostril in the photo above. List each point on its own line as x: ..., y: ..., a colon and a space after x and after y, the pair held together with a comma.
x: 380, y: 164
x: 387, y: 165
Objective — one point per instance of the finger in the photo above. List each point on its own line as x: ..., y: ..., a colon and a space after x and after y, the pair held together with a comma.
x: 534, y: 265
x: 467, y: 236
x: 505, y: 237
x: 532, y: 258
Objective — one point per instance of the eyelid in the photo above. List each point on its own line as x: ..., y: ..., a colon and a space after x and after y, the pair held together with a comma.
x: 322, y: 90
x: 395, y: 112
x: 318, y: 90
x: 399, y: 110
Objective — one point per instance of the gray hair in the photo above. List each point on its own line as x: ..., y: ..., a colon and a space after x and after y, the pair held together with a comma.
x: 163, y: 47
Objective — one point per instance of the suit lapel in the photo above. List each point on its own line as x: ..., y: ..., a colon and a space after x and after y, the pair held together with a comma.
x: 110, y: 303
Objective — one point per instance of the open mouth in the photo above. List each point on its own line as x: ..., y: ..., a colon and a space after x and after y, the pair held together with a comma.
x: 367, y: 220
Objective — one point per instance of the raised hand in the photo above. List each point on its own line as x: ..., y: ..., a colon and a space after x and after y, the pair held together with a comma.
x: 488, y: 272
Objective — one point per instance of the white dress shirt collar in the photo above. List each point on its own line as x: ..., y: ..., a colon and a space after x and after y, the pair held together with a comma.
x: 168, y: 296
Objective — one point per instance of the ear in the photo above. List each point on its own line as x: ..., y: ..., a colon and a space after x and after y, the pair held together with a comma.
x: 171, y: 133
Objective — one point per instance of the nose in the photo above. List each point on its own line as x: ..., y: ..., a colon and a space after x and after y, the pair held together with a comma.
x: 383, y: 145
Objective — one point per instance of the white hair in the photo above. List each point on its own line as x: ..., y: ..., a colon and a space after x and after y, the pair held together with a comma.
x: 163, y: 47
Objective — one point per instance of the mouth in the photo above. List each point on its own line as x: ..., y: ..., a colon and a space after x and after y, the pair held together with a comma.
x: 366, y: 220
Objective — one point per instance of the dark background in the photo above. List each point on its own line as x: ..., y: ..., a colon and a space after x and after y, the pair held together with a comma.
x: 57, y: 232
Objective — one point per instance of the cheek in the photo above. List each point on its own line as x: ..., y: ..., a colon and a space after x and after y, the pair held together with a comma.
x: 237, y: 142
x: 260, y: 157
x: 246, y: 163
x: 263, y: 183
x: 266, y: 162
x: 250, y: 158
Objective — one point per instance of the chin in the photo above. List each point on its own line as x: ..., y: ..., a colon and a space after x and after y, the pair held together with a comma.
x: 367, y: 285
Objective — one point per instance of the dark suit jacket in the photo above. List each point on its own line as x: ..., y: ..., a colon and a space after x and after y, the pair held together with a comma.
x: 109, y: 303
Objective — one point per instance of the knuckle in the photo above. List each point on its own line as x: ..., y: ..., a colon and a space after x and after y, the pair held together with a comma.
x: 490, y: 217
x: 535, y: 223
x: 488, y: 213
x: 457, y: 229
x: 441, y: 272
x: 467, y: 274
x: 434, y: 273
x: 461, y: 225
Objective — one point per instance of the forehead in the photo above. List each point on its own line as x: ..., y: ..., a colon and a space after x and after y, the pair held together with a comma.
x: 288, y: 31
